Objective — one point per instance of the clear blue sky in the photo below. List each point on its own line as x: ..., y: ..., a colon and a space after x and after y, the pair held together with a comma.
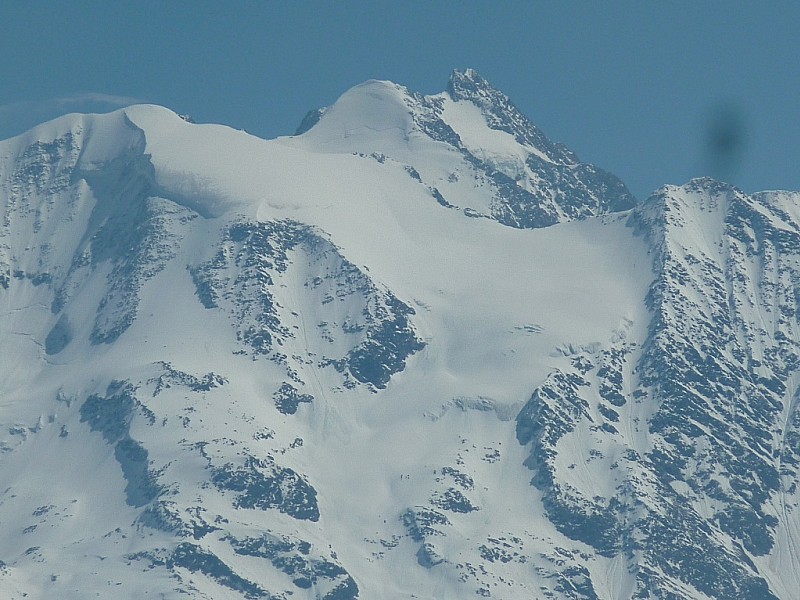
x: 638, y: 88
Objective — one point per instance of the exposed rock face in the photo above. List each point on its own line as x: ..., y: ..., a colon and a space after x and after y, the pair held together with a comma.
x: 696, y: 482
x: 369, y: 327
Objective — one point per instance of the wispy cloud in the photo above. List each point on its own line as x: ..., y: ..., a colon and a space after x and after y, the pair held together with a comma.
x: 66, y: 103
x: 96, y: 98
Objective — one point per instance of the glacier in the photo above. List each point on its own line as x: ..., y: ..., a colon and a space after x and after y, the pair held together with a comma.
x: 416, y: 350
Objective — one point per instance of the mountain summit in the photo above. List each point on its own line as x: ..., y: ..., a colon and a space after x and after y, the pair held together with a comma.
x: 502, y: 115
x: 416, y: 351
x: 513, y: 173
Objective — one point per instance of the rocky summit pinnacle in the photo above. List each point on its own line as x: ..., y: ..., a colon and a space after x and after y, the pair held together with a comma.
x: 503, y: 115
x: 591, y: 190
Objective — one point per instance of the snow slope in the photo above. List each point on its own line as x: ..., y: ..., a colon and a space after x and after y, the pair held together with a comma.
x: 417, y: 351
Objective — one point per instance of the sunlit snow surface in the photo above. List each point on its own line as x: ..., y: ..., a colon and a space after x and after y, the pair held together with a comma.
x: 190, y: 397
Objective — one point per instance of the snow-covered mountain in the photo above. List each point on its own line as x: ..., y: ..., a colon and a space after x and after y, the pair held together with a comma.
x: 417, y: 350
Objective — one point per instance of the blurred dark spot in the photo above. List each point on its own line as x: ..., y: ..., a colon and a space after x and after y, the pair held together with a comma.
x: 725, y: 141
